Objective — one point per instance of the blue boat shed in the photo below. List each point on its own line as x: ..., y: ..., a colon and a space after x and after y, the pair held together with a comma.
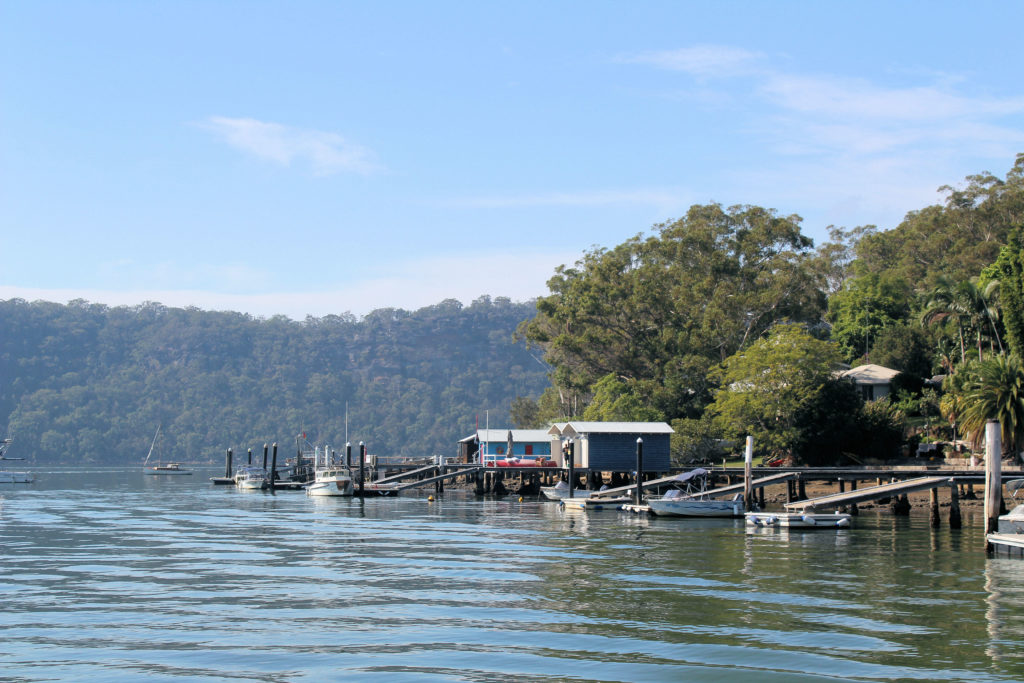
x: 611, y: 446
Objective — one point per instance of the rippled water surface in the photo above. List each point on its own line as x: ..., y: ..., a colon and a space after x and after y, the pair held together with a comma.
x: 109, y: 575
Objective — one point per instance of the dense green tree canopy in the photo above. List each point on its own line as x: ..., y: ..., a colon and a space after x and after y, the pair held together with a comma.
x: 87, y: 383
x: 765, y: 387
x: 657, y: 313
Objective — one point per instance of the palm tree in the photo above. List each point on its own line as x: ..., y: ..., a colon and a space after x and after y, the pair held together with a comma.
x: 996, y: 392
x: 965, y: 304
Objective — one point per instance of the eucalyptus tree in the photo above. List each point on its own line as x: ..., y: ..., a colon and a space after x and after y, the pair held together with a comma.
x: 766, y: 388
x: 658, y: 312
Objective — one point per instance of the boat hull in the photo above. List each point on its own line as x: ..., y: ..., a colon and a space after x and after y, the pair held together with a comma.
x: 166, y: 472
x: 798, y: 520
x: 16, y: 477
x: 556, y: 493
x: 696, y: 508
x: 338, y: 487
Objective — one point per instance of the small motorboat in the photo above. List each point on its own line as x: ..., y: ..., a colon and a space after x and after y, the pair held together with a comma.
x: 331, y: 481
x: 560, y: 491
x: 689, y: 498
x: 251, y: 478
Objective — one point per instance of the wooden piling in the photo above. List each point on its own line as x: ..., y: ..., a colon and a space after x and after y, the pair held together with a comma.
x: 993, y: 478
x: 853, y: 506
x: 227, y: 465
x: 638, y: 496
x: 748, y: 460
x: 362, y: 470
x: 273, y: 468
x: 250, y: 458
x: 933, y: 495
x: 569, y: 459
x: 955, y: 520
x: 264, y: 456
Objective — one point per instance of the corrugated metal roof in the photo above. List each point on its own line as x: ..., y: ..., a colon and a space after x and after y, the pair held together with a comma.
x: 518, y: 435
x: 870, y: 374
x: 576, y: 428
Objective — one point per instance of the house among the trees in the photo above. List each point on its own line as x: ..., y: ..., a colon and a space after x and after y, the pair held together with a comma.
x: 494, y: 444
x: 611, y: 446
x: 874, y: 381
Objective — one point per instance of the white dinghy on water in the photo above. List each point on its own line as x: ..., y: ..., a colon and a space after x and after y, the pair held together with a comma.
x: 798, y: 520
x: 7, y: 476
x: 561, y: 490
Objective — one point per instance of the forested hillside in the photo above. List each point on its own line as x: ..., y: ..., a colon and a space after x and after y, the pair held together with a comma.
x: 88, y: 384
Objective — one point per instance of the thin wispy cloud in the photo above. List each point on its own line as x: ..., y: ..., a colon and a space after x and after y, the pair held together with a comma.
x: 853, y: 115
x: 702, y: 60
x: 325, y: 153
x: 598, y: 198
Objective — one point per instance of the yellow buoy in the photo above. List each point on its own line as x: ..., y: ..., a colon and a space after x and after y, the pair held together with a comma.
x: 430, y: 499
x: 520, y: 499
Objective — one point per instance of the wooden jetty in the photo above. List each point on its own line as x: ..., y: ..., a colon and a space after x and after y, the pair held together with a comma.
x: 890, y: 490
x: 396, y: 483
x: 710, y: 493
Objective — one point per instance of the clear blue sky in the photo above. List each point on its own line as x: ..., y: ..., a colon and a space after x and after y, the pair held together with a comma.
x: 310, y: 158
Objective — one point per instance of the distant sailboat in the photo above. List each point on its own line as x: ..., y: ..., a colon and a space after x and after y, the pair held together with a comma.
x: 8, y: 477
x: 160, y: 468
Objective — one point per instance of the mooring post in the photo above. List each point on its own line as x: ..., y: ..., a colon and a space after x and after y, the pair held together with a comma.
x: 227, y: 465
x: 250, y: 457
x: 748, y: 464
x: 570, y: 456
x: 933, y: 498
x: 362, y: 461
x: 639, y: 496
x: 955, y: 521
x: 801, y: 489
x: 264, y: 456
x: 348, y: 457
x: 273, y: 468
x: 853, y: 506
x: 993, y: 478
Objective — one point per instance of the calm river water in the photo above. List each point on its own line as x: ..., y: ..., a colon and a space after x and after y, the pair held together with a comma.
x: 110, y: 575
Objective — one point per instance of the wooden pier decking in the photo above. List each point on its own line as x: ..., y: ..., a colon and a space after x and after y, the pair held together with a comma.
x: 392, y: 485
x: 711, y: 493
x: 897, y: 488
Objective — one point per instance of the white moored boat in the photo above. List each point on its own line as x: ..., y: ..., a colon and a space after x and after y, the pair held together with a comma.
x: 7, y: 476
x: 802, y: 520
x: 689, y: 498
x: 252, y: 478
x: 561, y: 490
x: 676, y: 504
x: 329, y: 480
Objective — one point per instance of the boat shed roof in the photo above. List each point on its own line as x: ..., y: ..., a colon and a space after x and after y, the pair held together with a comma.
x: 870, y: 374
x: 570, y: 429
x: 518, y: 435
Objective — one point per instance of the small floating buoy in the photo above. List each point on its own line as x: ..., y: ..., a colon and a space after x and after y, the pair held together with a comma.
x: 430, y: 499
x: 520, y: 499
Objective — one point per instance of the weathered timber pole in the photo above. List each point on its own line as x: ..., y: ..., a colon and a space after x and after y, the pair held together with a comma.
x: 348, y: 457
x: 362, y: 464
x: 264, y: 456
x: 955, y: 520
x: 250, y: 457
x: 933, y: 498
x: 639, y: 496
x: 570, y: 457
x: 227, y: 465
x: 273, y: 468
x: 993, y: 478
x: 748, y: 463
x: 853, y: 506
